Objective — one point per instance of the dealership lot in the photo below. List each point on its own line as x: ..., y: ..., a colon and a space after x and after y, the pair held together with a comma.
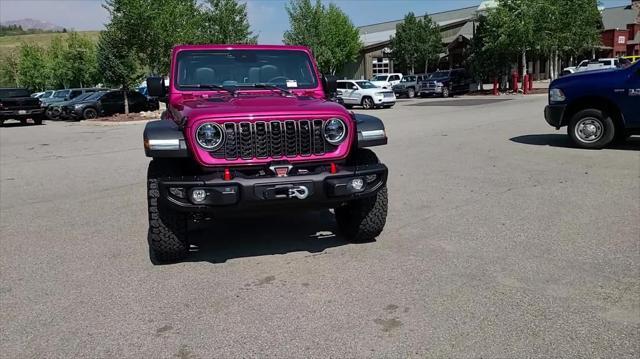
x: 502, y: 241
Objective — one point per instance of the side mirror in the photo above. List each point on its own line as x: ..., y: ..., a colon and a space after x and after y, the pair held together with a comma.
x: 155, y: 87
x: 330, y: 84
x: 354, y: 87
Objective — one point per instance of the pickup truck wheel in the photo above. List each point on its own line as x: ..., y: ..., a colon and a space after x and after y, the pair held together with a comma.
x: 362, y: 220
x: 445, y: 92
x: 367, y: 103
x: 167, y: 233
x: 591, y: 128
x: 411, y: 93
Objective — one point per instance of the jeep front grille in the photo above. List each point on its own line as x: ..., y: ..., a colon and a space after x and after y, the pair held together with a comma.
x: 273, y: 139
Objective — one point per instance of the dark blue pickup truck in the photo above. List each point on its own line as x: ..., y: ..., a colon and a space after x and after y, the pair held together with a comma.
x: 597, y: 106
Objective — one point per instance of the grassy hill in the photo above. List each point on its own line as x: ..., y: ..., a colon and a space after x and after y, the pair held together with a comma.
x: 7, y: 43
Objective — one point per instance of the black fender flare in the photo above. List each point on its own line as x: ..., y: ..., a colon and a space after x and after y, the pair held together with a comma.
x: 370, y: 131
x: 164, y: 139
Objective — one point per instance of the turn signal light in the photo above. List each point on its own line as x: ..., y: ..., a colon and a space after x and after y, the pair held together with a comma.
x: 227, y: 175
x: 333, y: 169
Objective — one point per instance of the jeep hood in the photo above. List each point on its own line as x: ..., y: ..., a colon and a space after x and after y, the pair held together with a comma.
x: 250, y: 106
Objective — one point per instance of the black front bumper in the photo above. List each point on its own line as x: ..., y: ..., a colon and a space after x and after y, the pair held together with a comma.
x: 554, y: 115
x: 323, y: 190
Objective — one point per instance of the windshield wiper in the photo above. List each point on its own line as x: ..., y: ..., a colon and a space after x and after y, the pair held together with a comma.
x: 269, y: 87
x: 209, y: 86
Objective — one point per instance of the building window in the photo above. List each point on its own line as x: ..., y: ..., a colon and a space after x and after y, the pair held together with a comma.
x: 380, y: 65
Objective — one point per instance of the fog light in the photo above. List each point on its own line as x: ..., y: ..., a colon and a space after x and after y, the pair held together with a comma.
x: 371, y: 178
x: 177, y: 191
x: 357, y: 184
x: 198, y: 195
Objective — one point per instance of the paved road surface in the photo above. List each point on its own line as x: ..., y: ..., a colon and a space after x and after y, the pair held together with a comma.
x: 502, y: 241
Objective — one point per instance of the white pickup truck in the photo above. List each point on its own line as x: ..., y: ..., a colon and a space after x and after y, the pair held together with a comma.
x: 586, y: 65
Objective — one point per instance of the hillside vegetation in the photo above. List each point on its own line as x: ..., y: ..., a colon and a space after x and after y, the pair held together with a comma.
x: 8, y: 43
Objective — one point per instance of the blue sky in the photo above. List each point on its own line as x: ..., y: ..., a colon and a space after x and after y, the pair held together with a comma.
x: 267, y: 17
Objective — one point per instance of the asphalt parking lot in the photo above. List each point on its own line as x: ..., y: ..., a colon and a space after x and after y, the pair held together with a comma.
x: 502, y: 241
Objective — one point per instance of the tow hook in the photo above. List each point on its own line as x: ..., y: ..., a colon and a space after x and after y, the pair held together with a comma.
x: 299, y: 192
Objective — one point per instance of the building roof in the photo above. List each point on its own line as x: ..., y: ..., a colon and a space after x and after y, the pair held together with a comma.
x: 381, y: 32
x: 618, y: 17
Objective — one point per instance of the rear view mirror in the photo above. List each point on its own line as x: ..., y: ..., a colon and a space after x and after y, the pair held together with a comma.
x: 156, y: 87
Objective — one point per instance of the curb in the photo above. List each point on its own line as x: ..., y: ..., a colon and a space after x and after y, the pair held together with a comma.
x: 116, y: 123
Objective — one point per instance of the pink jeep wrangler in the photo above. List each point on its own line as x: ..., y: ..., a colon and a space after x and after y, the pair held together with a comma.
x: 252, y: 128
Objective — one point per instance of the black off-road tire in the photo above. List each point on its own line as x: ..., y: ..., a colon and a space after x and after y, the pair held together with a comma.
x: 362, y: 220
x: 167, y: 236
x: 600, y: 120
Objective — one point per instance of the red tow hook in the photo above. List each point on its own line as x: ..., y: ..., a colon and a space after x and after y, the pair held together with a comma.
x: 333, y: 169
x: 227, y: 175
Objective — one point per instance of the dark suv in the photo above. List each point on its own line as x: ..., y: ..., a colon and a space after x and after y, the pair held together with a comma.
x: 107, y: 103
x: 446, y: 83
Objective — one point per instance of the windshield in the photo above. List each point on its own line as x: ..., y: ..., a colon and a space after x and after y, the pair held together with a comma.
x: 439, y: 75
x: 380, y: 78
x: 13, y: 93
x: 283, y: 68
x: 84, y: 96
x: 61, y: 94
x: 94, y: 96
x: 366, y: 85
x: 46, y: 94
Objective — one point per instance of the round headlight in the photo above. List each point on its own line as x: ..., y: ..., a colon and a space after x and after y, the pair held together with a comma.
x: 210, y: 136
x: 335, y: 131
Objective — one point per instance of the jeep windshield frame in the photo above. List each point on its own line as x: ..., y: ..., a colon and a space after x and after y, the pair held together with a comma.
x: 243, y: 69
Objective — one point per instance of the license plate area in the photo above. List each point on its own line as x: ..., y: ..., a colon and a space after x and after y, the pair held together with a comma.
x: 284, y: 191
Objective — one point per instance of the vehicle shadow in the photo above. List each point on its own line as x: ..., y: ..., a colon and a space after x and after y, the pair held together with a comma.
x: 222, y: 239
x: 18, y: 124
x: 562, y: 140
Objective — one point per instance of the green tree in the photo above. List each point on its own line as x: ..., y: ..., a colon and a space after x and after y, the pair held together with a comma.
x: 484, y: 59
x: 430, y: 41
x: 416, y: 41
x: 406, y: 42
x: 514, y: 27
x: 327, y: 31
x: 9, y: 69
x: 32, y: 70
x: 81, y: 60
x: 117, y: 63
x: 58, y: 69
x: 225, y: 22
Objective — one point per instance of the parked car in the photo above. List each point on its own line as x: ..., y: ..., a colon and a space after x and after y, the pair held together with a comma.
x: 409, y: 85
x: 257, y: 146
x: 446, y: 83
x: 590, y: 65
x: 52, y: 108
x: 17, y: 104
x: 365, y: 94
x: 107, y: 103
x: 43, y: 95
x: 596, y: 106
x: 386, y: 81
x: 87, y: 96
